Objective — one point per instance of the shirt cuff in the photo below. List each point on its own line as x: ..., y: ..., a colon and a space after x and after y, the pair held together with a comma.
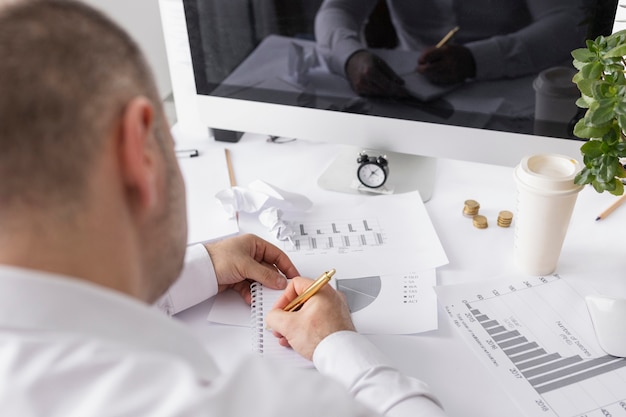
x: 196, y: 283
x: 340, y: 347
x: 340, y: 53
x: 360, y: 366
x: 488, y: 59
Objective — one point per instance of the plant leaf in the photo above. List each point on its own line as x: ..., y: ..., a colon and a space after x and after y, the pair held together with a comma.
x: 585, y: 86
x: 620, y: 150
x: 585, y: 176
x: 618, y: 51
x: 617, y: 35
x: 592, y: 70
x: 592, y: 148
x: 618, y: 187
x: 598, y: 186
x: 584, y: 131
x: 621, y: 120
x: 608, y: 168
x: 583, y: 102
x: 603, y: 114
x: 583, y: 55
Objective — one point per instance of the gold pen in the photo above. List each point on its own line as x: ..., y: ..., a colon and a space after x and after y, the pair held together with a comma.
x: 448, y: 36
x: 297, y: 302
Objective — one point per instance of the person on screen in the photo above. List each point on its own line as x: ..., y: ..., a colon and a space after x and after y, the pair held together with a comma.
x: 496, y: 39
x: 93, y: 219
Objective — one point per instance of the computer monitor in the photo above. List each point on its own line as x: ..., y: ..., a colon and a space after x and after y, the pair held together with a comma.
x: 255, y: 66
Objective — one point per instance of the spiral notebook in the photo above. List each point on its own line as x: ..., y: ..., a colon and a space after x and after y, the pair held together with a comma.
x: 264, y: 341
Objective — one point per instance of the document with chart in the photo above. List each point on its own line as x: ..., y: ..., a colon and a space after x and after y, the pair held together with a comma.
x: 385, y: 250
x: 377, y: 306
x: 537, y: 337
x: 379, y: 235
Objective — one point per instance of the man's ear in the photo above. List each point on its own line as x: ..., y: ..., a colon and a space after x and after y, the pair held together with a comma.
x: 137, y: 152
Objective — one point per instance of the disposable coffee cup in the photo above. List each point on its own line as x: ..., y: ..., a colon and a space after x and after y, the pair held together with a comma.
x: 555, y: 101
x: 546, y: 195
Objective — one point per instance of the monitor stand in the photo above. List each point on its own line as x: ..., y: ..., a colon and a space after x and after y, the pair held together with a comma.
x: 406, y: 173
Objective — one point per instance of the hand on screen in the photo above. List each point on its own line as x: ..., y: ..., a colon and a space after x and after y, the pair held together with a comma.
x: 449, y: 64
x: 321, y: 315
x: 369, y: 75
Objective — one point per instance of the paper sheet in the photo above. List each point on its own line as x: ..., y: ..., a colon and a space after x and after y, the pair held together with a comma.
x: 385, y: 304
x: 536, y: 336
x: 231, y: 309
x: 385, y: 234
x: 379, y: 305
x: 385, y: 251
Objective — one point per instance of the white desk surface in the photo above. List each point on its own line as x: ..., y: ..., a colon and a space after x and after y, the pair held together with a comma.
x: 593, y: 249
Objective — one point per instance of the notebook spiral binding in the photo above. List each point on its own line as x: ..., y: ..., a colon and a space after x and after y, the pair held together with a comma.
x: 256, y: 317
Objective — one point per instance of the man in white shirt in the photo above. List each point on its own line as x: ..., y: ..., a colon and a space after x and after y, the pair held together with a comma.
x: 496, y: 39
x: 92, y: 214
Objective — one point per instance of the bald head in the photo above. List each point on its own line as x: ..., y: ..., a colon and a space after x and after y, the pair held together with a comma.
x: 66, y: 74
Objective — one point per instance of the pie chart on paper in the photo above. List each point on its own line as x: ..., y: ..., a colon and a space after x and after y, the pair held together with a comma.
x: 360, y: 292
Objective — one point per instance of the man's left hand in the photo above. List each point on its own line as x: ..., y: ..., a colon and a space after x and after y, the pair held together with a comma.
x: 239, y: 260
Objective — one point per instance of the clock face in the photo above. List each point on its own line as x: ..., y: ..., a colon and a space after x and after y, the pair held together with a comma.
x: 371, y: 175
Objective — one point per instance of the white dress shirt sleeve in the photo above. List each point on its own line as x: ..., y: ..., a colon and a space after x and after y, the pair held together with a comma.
x: 338, y: 27
x: 196, y: 283
x: 359, y: 365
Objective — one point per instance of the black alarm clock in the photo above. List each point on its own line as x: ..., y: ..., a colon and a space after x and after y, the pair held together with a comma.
x: 373, y: 170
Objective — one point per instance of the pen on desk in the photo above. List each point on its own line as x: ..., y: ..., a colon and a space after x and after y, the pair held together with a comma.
x: 611, y: 208
x: 187, y: 153
x: 297, y: 302
x: 447, y: 38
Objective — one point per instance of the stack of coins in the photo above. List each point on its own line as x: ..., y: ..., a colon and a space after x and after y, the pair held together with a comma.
x: 471, y: 207
x: 504, y: 218
x: 480, y: 222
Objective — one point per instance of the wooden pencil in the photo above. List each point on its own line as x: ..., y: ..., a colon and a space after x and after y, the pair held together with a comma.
x: 231, y: 175
x: 612, y: 207
x: 231, y: 171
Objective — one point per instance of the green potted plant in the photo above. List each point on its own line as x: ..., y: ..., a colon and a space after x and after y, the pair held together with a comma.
x: 602, y: 84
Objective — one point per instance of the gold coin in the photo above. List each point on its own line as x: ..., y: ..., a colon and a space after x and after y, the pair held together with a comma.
x: 504, y: 218
x: 480, y: 221
x: 471, y: 208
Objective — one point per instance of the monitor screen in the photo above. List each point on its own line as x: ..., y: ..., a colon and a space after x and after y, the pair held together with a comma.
x: 286, y: 68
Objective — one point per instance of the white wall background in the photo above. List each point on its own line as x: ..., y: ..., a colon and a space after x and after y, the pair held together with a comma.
x: 620, y: 17
x: 142, y: 20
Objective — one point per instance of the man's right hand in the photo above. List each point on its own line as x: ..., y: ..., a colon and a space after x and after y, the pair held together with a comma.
x: 449, y: 64
x: 369, y: 75
x: 323, y: 314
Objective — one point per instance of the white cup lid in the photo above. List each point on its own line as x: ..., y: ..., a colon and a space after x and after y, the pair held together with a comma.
x: 549, y: 173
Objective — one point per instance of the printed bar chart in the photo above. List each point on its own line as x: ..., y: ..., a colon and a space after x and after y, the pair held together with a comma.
x: 536, y: 336
x: 557, y: 372
x: 336, y: 235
